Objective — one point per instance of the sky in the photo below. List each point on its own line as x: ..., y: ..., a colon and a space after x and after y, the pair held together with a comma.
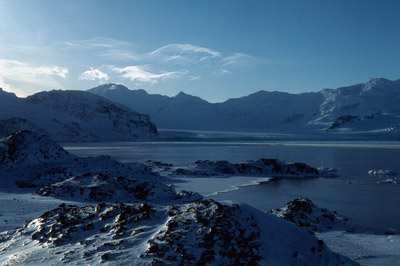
x: 215, y: 49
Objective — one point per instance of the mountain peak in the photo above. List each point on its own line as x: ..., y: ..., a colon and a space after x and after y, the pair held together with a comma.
x: 7, y: 94
x: 184, y: 97
x: 379, y: 85
x: 108, y: 87
x: 182, y: 94
x: 378, y: 81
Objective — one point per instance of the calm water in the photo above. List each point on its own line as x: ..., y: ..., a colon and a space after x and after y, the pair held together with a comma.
x: 355, y: 194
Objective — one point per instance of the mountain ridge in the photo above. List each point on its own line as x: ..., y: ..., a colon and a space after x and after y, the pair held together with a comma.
x: 266, y: 111
x: 75, y: 116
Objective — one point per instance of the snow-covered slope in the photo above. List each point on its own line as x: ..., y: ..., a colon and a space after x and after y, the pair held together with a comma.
x: 76, y: 116
x: 376, y: 95
x: 109, y: 188
x: 199, y: 233
x: 15, y: 124
x: 304, y: 213
x: 374, y: 102
x: 34, y: 161
x: 25, y: 148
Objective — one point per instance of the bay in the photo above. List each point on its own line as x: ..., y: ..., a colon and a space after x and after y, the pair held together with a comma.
x: 356, y: 194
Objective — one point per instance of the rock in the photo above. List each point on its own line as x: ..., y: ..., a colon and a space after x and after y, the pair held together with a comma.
x: 261, y: 167
x: 28, y: 148
x: 304, y: 213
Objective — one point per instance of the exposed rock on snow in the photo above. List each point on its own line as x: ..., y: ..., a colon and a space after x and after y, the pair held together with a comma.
x: 75, y: 116
x: 188, y: 196
x: 27, y: 148
x: 199, y: 233
x: 343, y: 120
x: 37, y: 162
x: 96, y: 115
x: 217, y: 233
x: 304, y: 213
x: 15, y: 124
x: 108, y: 188
x: 261, y: 167
x: 40, y: 175
x: 382, y: 172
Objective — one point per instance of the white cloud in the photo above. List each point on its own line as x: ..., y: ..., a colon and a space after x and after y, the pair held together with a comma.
x: 221, y: 72
x: 183, y: 53
x: 4, y: 85
x: 111, y: 49
x: 139, y: 74
x: 194, y: 77
x: 24, y: 76
x: 238, y: 58
x: 97, y: 42
x: 122, y: 55
x: 13, y: 69
x: 94, y: 74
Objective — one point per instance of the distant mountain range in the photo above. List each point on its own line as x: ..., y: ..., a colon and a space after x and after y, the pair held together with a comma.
x: 368, y: 108
x: 73, y: 116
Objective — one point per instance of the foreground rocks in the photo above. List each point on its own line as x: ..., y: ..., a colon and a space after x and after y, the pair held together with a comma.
x: 198, y: 233
x: 304, y: 213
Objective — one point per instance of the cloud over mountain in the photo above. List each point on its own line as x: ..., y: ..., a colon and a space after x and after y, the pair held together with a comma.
x: 138, y: 73
x: 16, y: 74
x: 94, y: 74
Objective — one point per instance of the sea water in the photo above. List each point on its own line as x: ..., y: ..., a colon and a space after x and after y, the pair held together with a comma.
x: 355, y: 194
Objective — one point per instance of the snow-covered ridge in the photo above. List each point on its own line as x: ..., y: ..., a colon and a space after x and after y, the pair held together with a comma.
x: 7, y: 95
x: 97, y: 112
x: 25, y: 148
x: 304, y: 213
x: 204, y: 232
x: 15, y: 124
x: 272, y: 112
x: 109, y: 188
x: 262, y: 167
x: 78, y: 116
x: 37, y: 162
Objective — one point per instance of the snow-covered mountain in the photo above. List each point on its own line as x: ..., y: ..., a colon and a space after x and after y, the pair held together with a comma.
x: 73, y: 116
x: 374, y: 102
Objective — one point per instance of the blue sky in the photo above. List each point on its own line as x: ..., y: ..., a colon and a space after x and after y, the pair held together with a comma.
x: 213, y: 49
